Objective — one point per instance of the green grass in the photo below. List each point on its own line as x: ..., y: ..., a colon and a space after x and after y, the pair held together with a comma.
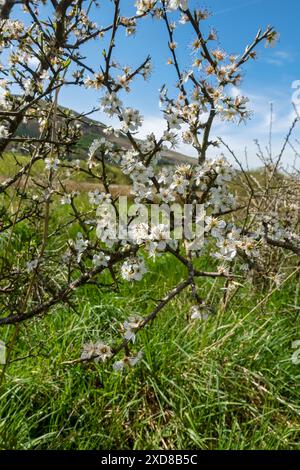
x: 227, y: 383
x: 11, y: 163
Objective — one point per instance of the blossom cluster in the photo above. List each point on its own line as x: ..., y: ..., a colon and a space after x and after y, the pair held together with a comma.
x: 45, y: 54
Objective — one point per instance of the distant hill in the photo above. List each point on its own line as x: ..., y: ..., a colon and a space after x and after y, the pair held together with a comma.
x: 92, y: 130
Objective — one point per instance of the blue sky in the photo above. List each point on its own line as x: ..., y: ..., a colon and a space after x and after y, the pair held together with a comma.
x: 268, y: 79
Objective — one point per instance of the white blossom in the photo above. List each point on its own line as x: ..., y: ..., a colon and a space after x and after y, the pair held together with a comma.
x: 96, y: 352
x: 96, y: 197
x: 127, y: 361
x: 94, y: 146
x: 175, y: 4
x: 32, y: 265
x: 111, y: 104
x: 100, y: 259
x: 139, y: 232
x: 131, y: 326
x: 197, y: 313
x: 131, y: 119
x: 3, y: 132
x: 133, y: 269
x: 227, y: 250
x: 214, y: 226
x: 66, y: 199
x: 52, y: 163
x: 159, y: 237
x: 166, y: 195
x: 80, y: 245
x: 296, y: 354
x: 173, y: 121
x: 142, y: 6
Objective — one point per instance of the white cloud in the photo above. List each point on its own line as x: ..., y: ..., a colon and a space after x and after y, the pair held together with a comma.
x: 155, y: 124
x: 280, y: 58
x: 237, y: 7
x: 241, y: 137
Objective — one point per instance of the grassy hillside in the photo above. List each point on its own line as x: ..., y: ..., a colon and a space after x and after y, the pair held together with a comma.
x: 91, y: 130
